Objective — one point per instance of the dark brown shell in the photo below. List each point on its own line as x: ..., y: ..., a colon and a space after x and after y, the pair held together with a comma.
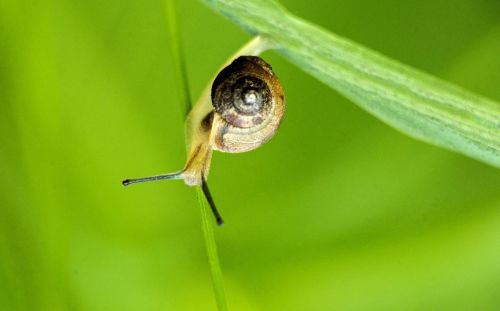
x: 248, y: 96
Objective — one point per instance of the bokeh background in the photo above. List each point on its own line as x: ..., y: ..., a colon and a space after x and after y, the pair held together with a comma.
x: 337, y: 212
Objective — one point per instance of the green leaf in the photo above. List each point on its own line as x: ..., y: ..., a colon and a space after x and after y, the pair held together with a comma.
x: 211, y: 247
x: 208, y: 231
x: 416, y: 103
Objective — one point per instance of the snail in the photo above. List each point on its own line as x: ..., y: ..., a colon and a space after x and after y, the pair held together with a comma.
x: 247, y: 108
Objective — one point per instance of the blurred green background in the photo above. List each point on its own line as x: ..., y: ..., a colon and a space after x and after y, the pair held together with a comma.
x: 337, y: 212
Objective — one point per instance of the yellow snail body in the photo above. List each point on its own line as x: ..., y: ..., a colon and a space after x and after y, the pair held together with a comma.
x: 247, y: 107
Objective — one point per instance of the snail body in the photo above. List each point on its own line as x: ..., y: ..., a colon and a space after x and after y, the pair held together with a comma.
x: 247, y: 108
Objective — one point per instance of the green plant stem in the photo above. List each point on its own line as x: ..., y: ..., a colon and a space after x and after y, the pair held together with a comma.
x: 206, y: 217
x: 211, y: 247
x: 178, y: 57
x: 254, y: 47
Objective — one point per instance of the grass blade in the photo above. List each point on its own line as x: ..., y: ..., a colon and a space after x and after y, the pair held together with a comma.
x: 211, y: 246
x: 178, y: 57
x: 416, y: 103
x: 206, y: 217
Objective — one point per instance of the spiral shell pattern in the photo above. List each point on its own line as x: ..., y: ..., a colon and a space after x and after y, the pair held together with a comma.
x: 248, y: 100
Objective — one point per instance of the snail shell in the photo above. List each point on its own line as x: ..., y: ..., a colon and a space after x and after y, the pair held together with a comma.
x: 249, y: 104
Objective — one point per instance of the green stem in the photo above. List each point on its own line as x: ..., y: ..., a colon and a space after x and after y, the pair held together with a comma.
x: 180, y: 72
x: 182, y: 84
x: 211, y: 246
x: 254, y: 47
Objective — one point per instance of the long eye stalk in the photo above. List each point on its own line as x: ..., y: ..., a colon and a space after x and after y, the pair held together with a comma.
x: 169, y: 176
x: 179, y: 175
